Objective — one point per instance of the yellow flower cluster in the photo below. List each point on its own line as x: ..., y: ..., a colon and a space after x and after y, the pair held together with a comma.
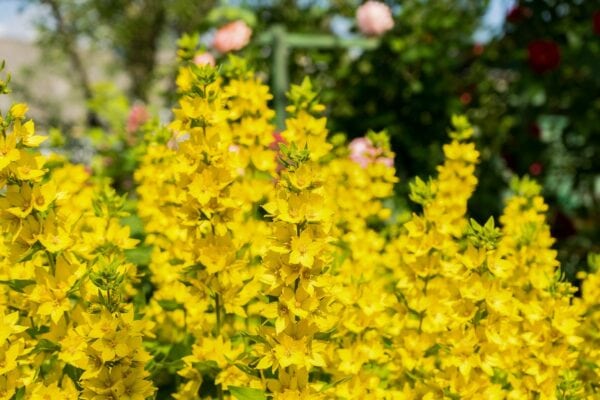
x: 589, y: 360
x: 67, y: 329
x: 307, y: 293
x: 256, y: 249
x: 276, y: 270
x: 200, y: 195
x: 483, y: 311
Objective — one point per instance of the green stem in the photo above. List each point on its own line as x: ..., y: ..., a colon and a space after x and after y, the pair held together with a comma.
x: 280, y: 73
x: 282, y: 41
x: 218, y: 306
x: 218, y: 312
x: 51, y: 261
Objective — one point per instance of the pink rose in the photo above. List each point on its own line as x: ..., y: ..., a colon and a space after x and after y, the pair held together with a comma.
x: 363, y: 152
x: 205, y: 59
x: 387, y: 161
x: 360, y: 148
x: 374, y: 18
x: 233, y: 36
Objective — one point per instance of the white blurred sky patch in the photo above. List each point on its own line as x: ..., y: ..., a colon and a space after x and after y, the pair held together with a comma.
x: 17, y: 19
x: 493, y: 20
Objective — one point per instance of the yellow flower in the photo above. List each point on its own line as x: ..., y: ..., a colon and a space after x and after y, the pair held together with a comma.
x: 19, y: 201
x: 304, y: 248
x: 9, y: 327
x: 52, y: 292
x: 9, y: 355
x: 8, y: 150
x: 54, y: 238
x: 43, y: 196
x: 18, y: 111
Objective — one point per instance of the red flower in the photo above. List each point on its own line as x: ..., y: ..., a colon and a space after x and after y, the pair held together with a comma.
x: 518, y: 13
x: 478, y: 49
x: 596, y: 19
x: 534, y: 130
x: 466, y: 98
x: 536, y: 168
x: 544, y: 55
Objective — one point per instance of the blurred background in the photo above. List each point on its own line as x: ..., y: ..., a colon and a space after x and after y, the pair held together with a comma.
x: 527, y: 74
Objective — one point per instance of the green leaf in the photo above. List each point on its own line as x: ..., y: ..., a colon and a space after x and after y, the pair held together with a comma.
x: 73, y: 372
x: 241, y: 393
x: 170, y: 305
x: 18, y: 284
x: 208, y: 367
x: 255, y: 338
x: 19, y: 394
x: 36, y: 246
x: 46, y: 345
x: 37, y: 330
x: 246, y: 369
x: 433, y: 350
x: 421, y: 192
x: 140, y: 255
x: 335, y: 383
x: 593, y: 260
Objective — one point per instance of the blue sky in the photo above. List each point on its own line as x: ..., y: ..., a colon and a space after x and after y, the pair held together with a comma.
x: 18, y: 23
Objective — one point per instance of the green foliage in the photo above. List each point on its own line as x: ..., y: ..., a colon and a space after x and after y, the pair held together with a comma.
x: 304, y: 97
x: 4, y: 82
x: 525, y: 186
x: 292, y: 156
x: 186, y: 46
x: 462, y: 128
x: 223, y: 14
x: 486, y: 236
x: 247, y: 393
x: 593, y: 260
x: 421, y: 192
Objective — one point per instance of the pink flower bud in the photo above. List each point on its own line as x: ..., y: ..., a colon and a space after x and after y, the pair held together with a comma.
x: 277, y: 138
x: 233, y: 36
x: 205, y: 59
x: 374, y: 18
x: 137, y: 117
x: 361, y: 151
